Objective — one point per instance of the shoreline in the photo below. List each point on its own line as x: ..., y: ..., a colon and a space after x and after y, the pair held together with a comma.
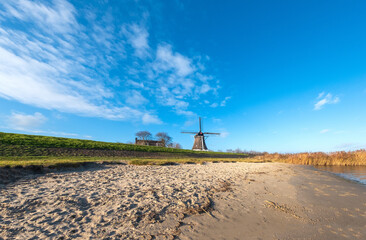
x: 345, y: 175
x: 210, y: 201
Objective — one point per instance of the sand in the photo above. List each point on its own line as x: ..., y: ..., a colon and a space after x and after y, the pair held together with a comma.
x: 210, y: 201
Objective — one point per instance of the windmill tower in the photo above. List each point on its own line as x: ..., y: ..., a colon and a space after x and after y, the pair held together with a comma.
x: 199, y: 139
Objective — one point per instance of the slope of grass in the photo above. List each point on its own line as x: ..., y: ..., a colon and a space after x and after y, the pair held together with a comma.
x: 12, y: 144
x: 33, y: 150
x: 12, y: 139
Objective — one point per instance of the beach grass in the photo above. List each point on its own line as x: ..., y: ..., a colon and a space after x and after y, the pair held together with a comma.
x: 341, y: 158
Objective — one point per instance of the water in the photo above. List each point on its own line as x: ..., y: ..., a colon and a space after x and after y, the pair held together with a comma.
x: 355, y: 173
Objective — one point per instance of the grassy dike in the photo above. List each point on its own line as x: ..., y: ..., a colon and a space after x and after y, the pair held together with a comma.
x: 33, y: 150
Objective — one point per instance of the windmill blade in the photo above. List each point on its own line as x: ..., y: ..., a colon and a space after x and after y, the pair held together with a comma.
x: 200, y: 124
x: 211, y: 133
x: 189, y: 132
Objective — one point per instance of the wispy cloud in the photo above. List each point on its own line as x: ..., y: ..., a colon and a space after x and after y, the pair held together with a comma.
x: 135, y: 84
x: 324, y: 131
x: 21, y: 121
x: 324, y: 99
x: 180, y: 79
x: 151, y: 119
x: 350, y: 146
x: 48, y: 69
x: 67, y: 61
x: 223, y: 102
x: 214, y: 105
x: 135, y: 98
x: 137, y: 36
x: 33, y: 123
x: 61, y: 15
x: 167, y: 60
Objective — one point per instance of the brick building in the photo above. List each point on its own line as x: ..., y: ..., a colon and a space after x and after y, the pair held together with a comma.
x: 149, y: 143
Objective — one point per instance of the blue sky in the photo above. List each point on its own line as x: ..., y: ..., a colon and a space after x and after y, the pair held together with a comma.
x: 276, y: 76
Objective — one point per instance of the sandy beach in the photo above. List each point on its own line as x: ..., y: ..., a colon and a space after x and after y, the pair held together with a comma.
x: 209, y: 201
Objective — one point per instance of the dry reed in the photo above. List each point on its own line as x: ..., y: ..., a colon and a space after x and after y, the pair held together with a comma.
x: 352, y: 158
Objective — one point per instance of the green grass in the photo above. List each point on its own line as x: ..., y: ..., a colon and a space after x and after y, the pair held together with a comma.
x: 28, y: 150
x: 46, y: 161
x: 57, y: 142
x: 191, y: 161
x: 11, y: 143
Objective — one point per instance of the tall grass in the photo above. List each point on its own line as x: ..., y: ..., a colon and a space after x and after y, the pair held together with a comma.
x: 352, y: 158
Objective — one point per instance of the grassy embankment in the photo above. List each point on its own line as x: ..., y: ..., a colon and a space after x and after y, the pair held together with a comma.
x: 352, y: 158
x: 25, y: 150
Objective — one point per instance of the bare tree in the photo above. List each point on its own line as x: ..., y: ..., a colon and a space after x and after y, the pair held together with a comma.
x: 238, y: 150
x: 143, y: 135
x: 175, y: 145
x: 164, y: 137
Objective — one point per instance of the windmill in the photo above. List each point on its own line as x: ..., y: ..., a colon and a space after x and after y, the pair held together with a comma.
x: 199, y: 139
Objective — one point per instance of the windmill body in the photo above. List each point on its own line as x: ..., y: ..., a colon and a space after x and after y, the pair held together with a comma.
x: 199, y: 139
x: 199, y: 142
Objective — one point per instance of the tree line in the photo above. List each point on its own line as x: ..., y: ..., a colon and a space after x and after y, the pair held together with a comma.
x: 160, y: 136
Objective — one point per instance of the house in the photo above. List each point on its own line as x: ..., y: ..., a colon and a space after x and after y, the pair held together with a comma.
x: 149, y: 142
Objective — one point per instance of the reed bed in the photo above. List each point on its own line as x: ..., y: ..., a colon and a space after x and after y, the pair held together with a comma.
x: 351, y: 158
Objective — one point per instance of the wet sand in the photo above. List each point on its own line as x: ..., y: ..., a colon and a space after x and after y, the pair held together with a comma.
x: 211, y: 201
x: 284, y: 202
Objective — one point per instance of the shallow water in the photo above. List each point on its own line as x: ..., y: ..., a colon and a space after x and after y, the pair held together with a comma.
x: 355, y: 173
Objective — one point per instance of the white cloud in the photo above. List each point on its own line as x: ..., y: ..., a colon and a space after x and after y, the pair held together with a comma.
x: 325, y: 99
x: 32, y: 82
x: 135, y: 84
x: 180, y: 79
x: 21, y: 121
x: 61, y: 15
x: 213, y: 105
x: 138, y: 37
x: 57, y: 74
x: 64, y: 64
x: 151, y: 119
x: 223, y: 102
x: 167, y: 60
x: 135, y: 98
x: 205, y: 88
x: 324, y: 131
x: 185, y: 113
x: 320, y: 95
